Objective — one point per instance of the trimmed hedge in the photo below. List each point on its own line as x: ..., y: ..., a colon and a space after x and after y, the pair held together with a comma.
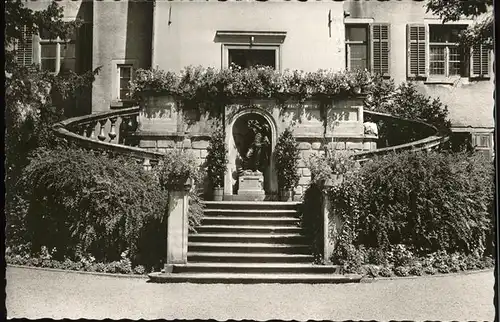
x: 426, y: 201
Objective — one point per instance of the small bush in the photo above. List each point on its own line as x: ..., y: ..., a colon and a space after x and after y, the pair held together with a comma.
x: 430, y: 270
x: 385, y: 272
x: 216, y: 162
x: 401, y: 271
x: 416, y: 269
x: 140, y: 270
x: 287, y: 156
x: 177, y: 166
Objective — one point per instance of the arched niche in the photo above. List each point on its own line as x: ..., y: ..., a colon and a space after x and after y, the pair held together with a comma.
x: 237, y: 138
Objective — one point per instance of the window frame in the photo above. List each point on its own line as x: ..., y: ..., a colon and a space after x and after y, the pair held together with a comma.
x: 446, y: 45
x: 116, y: 101
x: 366, y: 42
x: 227, y: 47
x: 58, y: 42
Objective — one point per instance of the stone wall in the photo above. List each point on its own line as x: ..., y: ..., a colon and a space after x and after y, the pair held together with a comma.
x: 163, y: 126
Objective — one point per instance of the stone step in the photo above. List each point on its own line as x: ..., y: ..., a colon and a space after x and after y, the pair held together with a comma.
x: 248, y: 238
x: 253, y: 205
x: 248, y: 229
x: 252, y: 268
x: 248, y: 248
x: 253, y: 278
x: 251, y: 212
x: 250, y: 221
x: 228, y: 257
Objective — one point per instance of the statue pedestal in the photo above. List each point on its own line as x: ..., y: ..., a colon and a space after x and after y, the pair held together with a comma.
x: 251, y: 186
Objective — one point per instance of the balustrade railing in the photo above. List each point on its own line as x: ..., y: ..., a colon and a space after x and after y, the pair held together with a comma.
x: 433, y: 138
x: 110, y: 131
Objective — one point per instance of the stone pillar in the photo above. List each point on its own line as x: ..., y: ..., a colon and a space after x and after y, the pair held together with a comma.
x: 332, y: 223
x: 177, y: 228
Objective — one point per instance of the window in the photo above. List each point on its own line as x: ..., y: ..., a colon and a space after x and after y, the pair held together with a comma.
x: 246, y: 58
x: 433, y: 51
x: 250, y: 48
x: 24, y: 49
x: 445, y: 56
x: 124, y: 78
x: 356, y: 47
x: 367, y: 47
x: 56, y: 55
x: 482, y: 142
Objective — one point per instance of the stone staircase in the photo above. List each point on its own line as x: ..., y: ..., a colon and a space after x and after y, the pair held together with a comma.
x: 251, y: 242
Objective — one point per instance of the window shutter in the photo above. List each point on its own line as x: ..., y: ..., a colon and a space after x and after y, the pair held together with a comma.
x: 417, y: 56
x: 24, y: 54
x: 380, y: 39
x: 480, y: 61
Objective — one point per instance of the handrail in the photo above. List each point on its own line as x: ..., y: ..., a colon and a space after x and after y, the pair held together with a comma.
x: 430, y: 142
x: 106, y: 123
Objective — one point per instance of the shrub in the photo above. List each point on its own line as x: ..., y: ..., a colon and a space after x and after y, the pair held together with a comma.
x: 176, y: 167
x: 427, y: 200
x: 429, y: 270
x: 401, y: 271
x: 216, y: 162
x: 416, y: 269
x: 385, y: 272
x: 287, y: 157
x: 82, y: 202
x: 139, y: 269
x: 376, y: 256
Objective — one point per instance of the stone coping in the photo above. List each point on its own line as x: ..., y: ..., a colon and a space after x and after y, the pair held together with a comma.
x: 364, y: 279
x: 144, y: 276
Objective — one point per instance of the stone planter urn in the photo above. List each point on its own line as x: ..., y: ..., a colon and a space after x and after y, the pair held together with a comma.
x: 218, y: 193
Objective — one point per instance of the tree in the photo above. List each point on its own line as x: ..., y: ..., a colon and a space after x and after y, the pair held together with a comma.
x: 34, y: 99
x: 481, y: 32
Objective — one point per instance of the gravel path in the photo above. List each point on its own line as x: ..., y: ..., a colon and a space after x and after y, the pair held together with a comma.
x: 36, y: 294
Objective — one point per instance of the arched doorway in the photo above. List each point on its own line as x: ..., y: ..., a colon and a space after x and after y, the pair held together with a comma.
x: 241, y: 132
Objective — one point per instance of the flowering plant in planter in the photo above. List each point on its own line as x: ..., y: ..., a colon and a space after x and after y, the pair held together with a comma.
x: 217, y: 160
x: 178, y: 169
x: 197, y: 84
x: 287, y: 157
x: 154, y: 80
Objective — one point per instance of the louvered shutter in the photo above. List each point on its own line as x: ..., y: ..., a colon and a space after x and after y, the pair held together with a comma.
x: 24, y: 52
x: 417, y: 56
x: 380, y: 35
x: 480, y: 61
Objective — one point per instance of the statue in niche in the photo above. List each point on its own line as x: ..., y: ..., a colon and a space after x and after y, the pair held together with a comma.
x: 257, y: 155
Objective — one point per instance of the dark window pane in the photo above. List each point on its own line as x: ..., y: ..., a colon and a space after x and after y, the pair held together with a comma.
x: 68, y: 50
x: 125, y: 71
x: 68, y: 64
x: 356, y: 33
x: 124, y: 83
x: 358, y: 51
x: 49, y: 50
x: 49, y: 65
x: 247, y: 58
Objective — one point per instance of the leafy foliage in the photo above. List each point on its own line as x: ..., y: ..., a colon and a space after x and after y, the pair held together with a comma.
x: 406, y: 205
x: 199, y: 84
x: 407, y: 102
x: 176, y: 168
x: 216, y: 162
x: 85, y: 203
x: 287, y: 156
x: 453, y: 10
